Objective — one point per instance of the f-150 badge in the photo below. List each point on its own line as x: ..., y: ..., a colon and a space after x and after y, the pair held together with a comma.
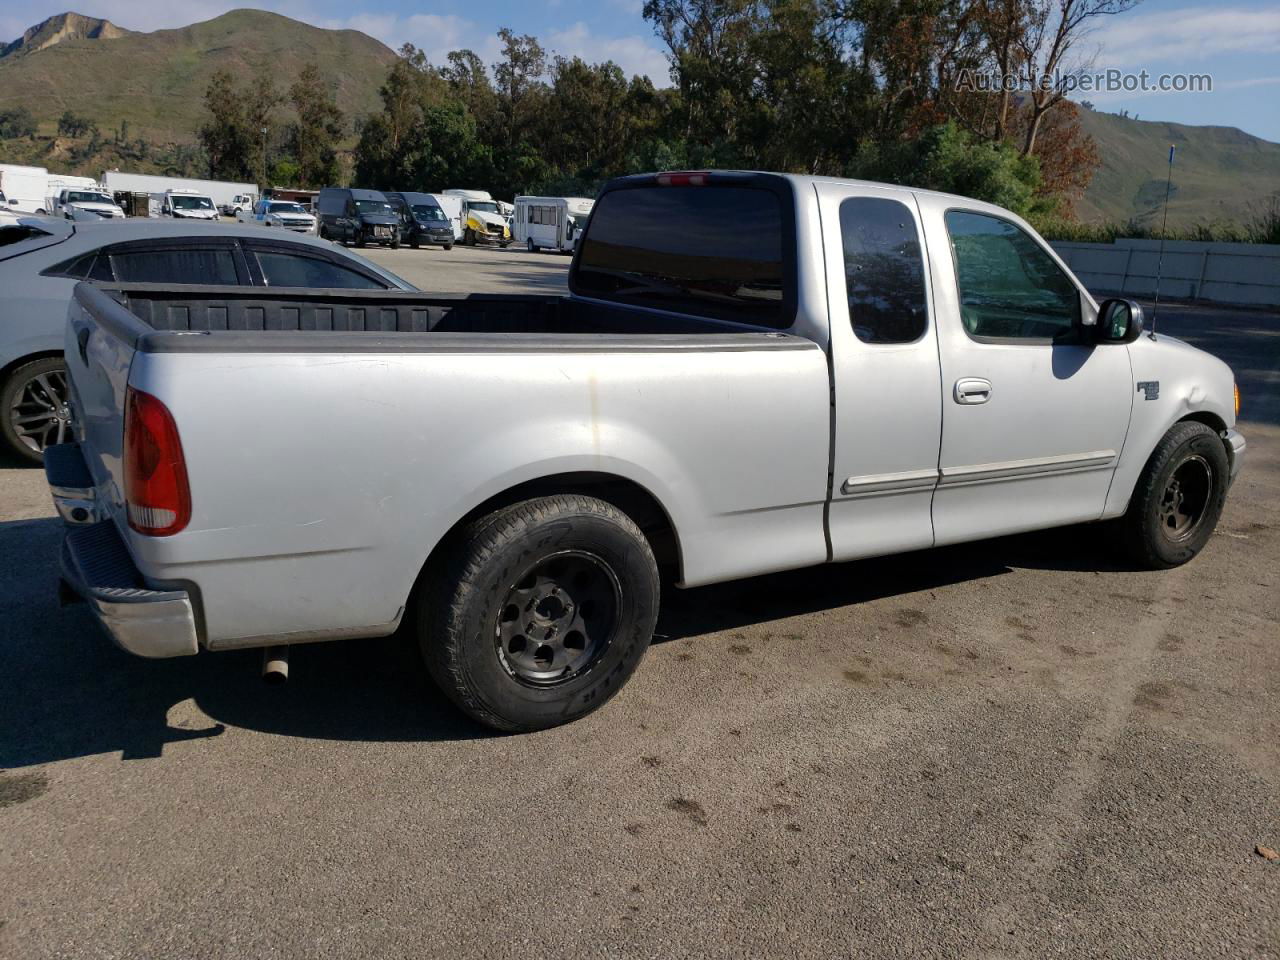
x: 1150, y: 389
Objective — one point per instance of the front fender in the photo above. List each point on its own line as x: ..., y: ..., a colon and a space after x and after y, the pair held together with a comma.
x: 1173, y: 381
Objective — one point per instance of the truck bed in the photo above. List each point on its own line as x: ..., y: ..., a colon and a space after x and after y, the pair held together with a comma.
x: 333, y: 438
x: 253, y: 318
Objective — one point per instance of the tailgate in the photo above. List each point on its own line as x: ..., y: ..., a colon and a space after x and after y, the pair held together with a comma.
x: 101, y: 337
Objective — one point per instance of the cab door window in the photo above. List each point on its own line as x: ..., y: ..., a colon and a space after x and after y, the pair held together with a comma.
x: 1009, y: 286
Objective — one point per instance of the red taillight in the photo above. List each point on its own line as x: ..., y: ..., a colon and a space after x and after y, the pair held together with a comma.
x: 155, y: 473
x: 682, y: 179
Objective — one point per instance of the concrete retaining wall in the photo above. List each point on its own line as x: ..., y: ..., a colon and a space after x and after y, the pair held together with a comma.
x: 1238, y: 273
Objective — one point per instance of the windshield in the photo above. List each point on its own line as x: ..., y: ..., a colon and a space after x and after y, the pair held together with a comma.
x: 373, y: 206
x: 283, y: 207
x: 428, y: 212
x: 84, y: 196
x: 191, y: 203
x: 484, y: 206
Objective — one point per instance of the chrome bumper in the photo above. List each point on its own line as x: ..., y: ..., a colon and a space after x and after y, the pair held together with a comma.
x: 97, y: 568
x: 1236, y: 446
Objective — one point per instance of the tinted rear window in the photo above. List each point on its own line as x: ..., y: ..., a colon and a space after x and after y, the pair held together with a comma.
x: 710, y: 251
x: 182, y: 265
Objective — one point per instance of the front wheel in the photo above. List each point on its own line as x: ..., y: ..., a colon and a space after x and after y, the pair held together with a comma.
x: 448, y: 246
x: 1178, y: 499
x: 34, y: 404
x: 468, y: 237
x: 540, y: 612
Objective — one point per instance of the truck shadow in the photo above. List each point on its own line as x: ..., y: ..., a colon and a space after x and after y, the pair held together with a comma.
x: 66, y: 692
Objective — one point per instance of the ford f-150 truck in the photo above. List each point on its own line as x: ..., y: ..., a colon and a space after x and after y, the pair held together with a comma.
x: 752, y: 373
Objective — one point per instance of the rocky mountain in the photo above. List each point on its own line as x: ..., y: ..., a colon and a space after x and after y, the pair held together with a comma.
x: 59, y: 29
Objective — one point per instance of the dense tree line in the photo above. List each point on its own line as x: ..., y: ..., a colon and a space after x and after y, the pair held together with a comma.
x: 884, y: 89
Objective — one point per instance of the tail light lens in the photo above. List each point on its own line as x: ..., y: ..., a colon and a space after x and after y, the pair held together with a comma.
x: 156, y: 491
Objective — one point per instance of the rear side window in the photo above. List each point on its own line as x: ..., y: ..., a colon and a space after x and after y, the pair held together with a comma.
x: 289, y: 270
x: 711, y: 251
x: 89, y: 266
x: 176, y: 265
x: 883, y: 270
x: 1010, y: 288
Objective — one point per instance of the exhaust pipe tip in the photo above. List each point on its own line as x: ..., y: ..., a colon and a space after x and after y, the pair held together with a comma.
x: 275, y: 665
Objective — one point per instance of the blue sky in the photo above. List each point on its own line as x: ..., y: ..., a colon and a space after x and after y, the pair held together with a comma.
x: 1237, y: 42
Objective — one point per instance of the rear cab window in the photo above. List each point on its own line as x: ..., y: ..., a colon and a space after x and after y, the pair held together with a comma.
x: 721, y: 250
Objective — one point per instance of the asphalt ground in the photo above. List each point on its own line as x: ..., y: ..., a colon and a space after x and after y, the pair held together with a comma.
x: 1018, y: 748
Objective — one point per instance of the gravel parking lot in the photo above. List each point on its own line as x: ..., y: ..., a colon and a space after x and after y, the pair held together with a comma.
x: 1019, y: 748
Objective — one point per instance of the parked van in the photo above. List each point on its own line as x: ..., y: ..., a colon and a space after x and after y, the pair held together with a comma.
x: 188, y: 205
x: 357, y: 216
x: 25, y: 188
x: 550, y: 223
x: 421, y: 220
x: 482, y: 221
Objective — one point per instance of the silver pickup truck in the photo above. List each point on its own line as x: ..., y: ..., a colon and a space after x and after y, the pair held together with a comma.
x: 754, y: 372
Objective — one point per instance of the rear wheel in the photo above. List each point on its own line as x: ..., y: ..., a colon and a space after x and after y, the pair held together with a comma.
x: 34, y: 403
x: 448, y: 246
x: 1179, y: 497
x: 531, y: 245
x: 540, y: 612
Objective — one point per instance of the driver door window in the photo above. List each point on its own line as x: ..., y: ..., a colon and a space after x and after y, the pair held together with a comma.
x: 1010, y: 288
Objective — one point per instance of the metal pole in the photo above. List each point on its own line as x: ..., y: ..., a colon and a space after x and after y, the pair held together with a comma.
x: 1164, y: 226
x: 264, y: 159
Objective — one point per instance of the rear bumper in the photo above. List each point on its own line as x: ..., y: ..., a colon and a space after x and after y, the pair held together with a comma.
x: 1236, y: 446
x: 97, y: 568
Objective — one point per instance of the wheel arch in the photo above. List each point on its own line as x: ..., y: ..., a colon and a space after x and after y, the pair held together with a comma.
x: 1208, y: 418
x: 632, y: 498
x: 7, y: 370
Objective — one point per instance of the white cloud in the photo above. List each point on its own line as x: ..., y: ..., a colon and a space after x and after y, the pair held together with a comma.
x: 633, y: 53
x: 1137, y: 40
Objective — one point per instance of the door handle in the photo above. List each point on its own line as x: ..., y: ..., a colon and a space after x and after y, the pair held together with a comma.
x: 971, y: 390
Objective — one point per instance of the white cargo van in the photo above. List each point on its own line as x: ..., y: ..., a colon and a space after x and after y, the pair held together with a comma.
x: 550, y: 223
x: 25, y: 189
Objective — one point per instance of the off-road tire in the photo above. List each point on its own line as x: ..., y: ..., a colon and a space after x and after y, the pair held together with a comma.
x: 1144, y: 530
x: 466, y: 590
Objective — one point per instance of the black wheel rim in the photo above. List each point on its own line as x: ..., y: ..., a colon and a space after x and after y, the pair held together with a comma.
x: 558, y: 618
x: 1185, y: 499
x: 39, y: 413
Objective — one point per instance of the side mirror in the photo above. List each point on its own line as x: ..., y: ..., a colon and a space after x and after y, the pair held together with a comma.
x: 1119, y: 321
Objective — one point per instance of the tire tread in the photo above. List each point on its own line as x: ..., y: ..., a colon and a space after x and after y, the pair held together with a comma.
x: 452, y: 585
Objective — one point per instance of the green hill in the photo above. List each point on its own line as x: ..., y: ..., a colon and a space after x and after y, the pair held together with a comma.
x: 157, y: 80
x: 1219, y: 173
